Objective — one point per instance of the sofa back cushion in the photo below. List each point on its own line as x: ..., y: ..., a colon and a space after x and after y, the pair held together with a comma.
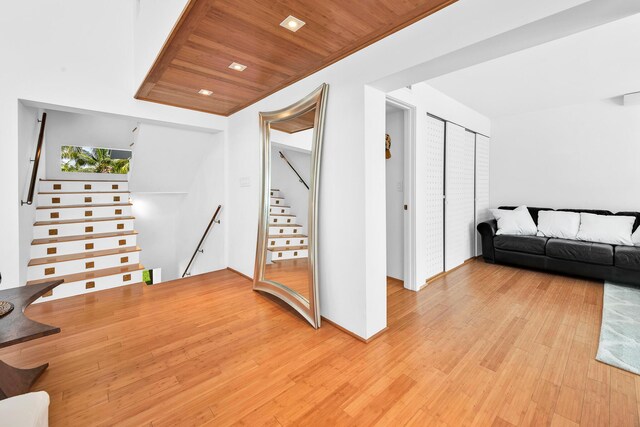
x: 612, y: 229
x: 562, y: 225
x: 532, y: 211
x: 633, y: 214
x: 516, y: 222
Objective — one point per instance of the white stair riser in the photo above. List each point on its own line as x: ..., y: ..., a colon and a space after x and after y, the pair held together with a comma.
x: 279, y: 210
x: 79, y: 228
x: 273, y: 230
x: 276, y: 202
x: 68, y: 186
x: 278, y: 242
x: 278, y: 256
x: 275, y: 193
x: 37, y: 272
x: 82, y: 213
x: 81, y: 199
x: 80, y: 246
x: 274, y: 219
x: 107, y: 282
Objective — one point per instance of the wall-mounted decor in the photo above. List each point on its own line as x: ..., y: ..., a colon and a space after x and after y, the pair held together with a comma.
x: 387, y: 146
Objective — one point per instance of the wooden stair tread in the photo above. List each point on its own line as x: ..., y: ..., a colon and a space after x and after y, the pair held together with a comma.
x: 83, y: 255
x: 281, y: 215
x: 81, y: 180
x: 78, y: 277
x: 287, y: 236
x: 83, y: 220
x: 100, y: 205
x: 285, y: 225
x: 85, y: 192
x: 276, y: 197
x: 74, y: 238
x: 279, y: 206
x: 287, y: 248
x: 274, y: 189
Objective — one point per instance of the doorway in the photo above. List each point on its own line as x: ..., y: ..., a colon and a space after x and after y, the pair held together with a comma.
x: 399, y: 185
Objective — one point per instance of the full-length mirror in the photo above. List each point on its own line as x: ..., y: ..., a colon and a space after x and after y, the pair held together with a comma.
x: 286, y: 254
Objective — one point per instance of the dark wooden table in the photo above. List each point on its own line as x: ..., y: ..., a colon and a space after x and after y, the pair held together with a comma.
x: 15, y: 328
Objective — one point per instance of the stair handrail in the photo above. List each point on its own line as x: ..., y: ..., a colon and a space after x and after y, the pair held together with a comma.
x: 36, y: 162
x: 293, y: 169
x: 214, y: 220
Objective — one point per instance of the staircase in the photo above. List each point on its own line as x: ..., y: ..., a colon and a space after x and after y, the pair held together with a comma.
x: 285, y: 238
x: 83, y: 233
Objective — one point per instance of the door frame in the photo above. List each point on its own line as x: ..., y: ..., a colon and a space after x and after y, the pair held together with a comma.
x: 409, y: 181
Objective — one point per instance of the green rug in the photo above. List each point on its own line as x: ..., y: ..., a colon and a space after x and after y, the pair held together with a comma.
x: 620, y: 332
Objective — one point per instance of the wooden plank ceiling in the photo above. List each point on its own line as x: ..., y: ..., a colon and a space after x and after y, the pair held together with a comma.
x: 211, y: 34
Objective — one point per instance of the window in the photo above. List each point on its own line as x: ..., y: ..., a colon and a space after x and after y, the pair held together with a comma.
x: 94, y: 160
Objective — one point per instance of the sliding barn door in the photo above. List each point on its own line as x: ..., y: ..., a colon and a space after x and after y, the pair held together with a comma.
x: 460, y: 195
x: 482, y: 186
x: 435, y: 192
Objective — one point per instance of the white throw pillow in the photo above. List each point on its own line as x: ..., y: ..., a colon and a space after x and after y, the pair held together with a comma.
x: 636, y: 237
x: 615, y: 230
x: 516, y: 222
x: 563, y: 225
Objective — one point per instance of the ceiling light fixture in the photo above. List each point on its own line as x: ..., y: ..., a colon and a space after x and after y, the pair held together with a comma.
x: 237, y: 67
x: 292, y: 23
x: 205, y: 92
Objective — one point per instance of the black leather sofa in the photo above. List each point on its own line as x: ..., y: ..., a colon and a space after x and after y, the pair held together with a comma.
x: 618, y: 264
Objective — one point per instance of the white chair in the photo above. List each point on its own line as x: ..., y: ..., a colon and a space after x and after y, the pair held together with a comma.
x: 25, y: 410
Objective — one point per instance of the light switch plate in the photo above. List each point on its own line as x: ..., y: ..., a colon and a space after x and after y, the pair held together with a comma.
x: 245, y: 181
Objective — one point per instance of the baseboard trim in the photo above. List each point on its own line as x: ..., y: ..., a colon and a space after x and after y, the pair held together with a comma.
x: 444, y: 273
x: 240, y: 274
x: 354, y: 335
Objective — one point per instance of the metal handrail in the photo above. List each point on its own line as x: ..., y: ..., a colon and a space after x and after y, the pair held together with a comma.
x: 293, y: 169
x: 36, y: 162
x: 214, y: 219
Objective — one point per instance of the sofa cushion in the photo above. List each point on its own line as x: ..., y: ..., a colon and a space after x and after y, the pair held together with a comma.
x: 636, y: 225
x: 572, y: 250
x: 526, y: 244
x: 533, y: 211
x: 628, y: 257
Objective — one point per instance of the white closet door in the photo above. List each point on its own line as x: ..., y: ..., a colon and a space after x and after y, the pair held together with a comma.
x: 435, y: 192
x: 482, y: 185
x: 460, y: 194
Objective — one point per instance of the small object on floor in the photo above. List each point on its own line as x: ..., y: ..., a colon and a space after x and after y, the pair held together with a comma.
x: 620, y: 332
x: 5, y: 307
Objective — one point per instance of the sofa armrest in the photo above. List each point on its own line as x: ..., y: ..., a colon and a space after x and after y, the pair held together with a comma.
x: 488, y: 231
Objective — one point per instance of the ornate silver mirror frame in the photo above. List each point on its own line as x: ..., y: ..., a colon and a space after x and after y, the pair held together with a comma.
x: 307, y: 307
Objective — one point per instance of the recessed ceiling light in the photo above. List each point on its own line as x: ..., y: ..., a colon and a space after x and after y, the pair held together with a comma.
x: 292, y: 23
x: 205, y: 92
x: 237, y: 67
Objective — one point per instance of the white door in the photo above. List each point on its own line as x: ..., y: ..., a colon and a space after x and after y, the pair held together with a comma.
x: 482, y: 185
x: 435, y: 194
x: 460, y: 194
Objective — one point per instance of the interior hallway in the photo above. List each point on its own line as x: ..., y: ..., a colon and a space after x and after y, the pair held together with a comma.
x: 484, y: 345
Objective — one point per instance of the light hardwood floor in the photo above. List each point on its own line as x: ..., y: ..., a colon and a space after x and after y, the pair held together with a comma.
x: 485, y: 345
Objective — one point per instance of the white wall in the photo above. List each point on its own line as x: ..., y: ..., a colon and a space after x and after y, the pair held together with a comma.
x: 166, y: 159
x: 177, y: 180
x: 577, y: 156
x: 352, y: 252
x: 81, y: 130
x: 284, y: 179
x: 394, y: 172
x: 157, y: 224
x: 207, y: 191
x: 426, y: 99
x: 78, y: 55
